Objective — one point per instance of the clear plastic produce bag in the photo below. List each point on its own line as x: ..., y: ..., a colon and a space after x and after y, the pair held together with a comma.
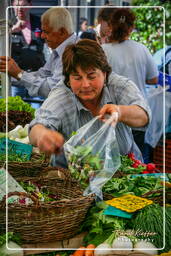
x: 93, y: 155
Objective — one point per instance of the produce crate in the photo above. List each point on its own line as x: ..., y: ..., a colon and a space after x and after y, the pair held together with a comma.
x: 47, y: 221
x: 158, y: 156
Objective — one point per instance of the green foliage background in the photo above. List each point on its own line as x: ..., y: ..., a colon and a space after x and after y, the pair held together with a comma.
x: 149, y: 26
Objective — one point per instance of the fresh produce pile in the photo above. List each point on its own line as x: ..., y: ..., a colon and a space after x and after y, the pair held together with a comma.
x: 83, y: 165
x: 151, y: 219
x: 19, y: 112
x: 14, y: 158
x: 132, y: 185
x: 21, y: 158
x: 130, y: 165
x: 38, y: 191
x: 144, y: 231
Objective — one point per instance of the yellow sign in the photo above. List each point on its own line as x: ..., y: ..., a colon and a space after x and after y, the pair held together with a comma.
x: 129, y: 203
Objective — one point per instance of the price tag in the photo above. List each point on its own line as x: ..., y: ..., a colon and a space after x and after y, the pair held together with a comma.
x: 129, y: 203
x: 113, y: 211
x: 162, y: 176
x: 15, y: 147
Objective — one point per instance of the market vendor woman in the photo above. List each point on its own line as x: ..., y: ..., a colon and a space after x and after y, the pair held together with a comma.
x: 88, y: 90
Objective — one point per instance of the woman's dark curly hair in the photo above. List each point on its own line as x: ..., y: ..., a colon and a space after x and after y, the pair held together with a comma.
x: 104, y: 14
x: 85, y: 54
x: 122, y: 21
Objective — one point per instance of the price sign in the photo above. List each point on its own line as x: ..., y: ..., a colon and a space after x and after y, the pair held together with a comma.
x: 15, y: 147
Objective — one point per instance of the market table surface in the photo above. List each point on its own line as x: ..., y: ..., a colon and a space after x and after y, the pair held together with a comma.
x: 74, y: 242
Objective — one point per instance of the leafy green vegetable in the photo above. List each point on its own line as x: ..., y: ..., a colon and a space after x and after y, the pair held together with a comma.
x: 100, y: 226
x: 131, y: 185
x: 83, y: 164
x: 128, y: 167
x: 14, y: 157
x: 16, y: 103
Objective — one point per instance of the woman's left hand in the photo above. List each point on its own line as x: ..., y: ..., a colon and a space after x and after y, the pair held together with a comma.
x: 112, y: 110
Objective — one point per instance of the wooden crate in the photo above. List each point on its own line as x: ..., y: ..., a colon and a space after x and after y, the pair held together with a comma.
x: 158, y: 157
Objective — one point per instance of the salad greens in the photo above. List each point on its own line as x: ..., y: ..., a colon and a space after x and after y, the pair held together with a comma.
x: 132, y: 185
x: 83, y: 164
x: 16, y: 103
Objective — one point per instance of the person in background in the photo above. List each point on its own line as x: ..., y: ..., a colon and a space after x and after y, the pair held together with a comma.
x: 83, y: 25
x: 128, y: 57
x: 57, y: 31
x: 26, y: 45
x: 90, y: 34
x: 103, y: 20
x: 88, y: 90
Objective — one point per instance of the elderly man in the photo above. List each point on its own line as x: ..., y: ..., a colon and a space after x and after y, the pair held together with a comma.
x: 57, y: 30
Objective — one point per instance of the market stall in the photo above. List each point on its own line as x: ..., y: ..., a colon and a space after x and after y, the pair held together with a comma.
x: 50, y: 207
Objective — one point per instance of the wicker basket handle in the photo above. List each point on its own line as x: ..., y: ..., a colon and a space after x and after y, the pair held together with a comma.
x: 16, y: 193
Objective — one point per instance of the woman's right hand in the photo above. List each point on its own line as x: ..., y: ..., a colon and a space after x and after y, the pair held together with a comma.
x: 113, y: 111
x: 48, y: 141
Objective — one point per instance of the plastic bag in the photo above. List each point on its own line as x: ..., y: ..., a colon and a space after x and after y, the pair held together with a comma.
x: 11, y: 186
x: 93, y: 155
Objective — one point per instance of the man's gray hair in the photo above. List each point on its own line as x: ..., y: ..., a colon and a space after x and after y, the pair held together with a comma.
x: 57, y: 18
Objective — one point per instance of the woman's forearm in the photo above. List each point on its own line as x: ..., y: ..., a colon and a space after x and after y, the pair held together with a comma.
x: 133, y: 116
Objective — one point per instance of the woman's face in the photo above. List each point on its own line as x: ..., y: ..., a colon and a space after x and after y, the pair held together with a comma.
x: 87, y: 85
x: 84, y: 26
x: 21, y: 12
x: 105, y: 29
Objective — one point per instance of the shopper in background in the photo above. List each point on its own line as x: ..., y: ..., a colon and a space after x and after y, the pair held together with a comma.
x: 27, y: 45
x: 103, y: 19
x: 88, y: 90
x: 128, y: 57
x: 83, y: 25
x: 57, y: 31
x: 90, y: 34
